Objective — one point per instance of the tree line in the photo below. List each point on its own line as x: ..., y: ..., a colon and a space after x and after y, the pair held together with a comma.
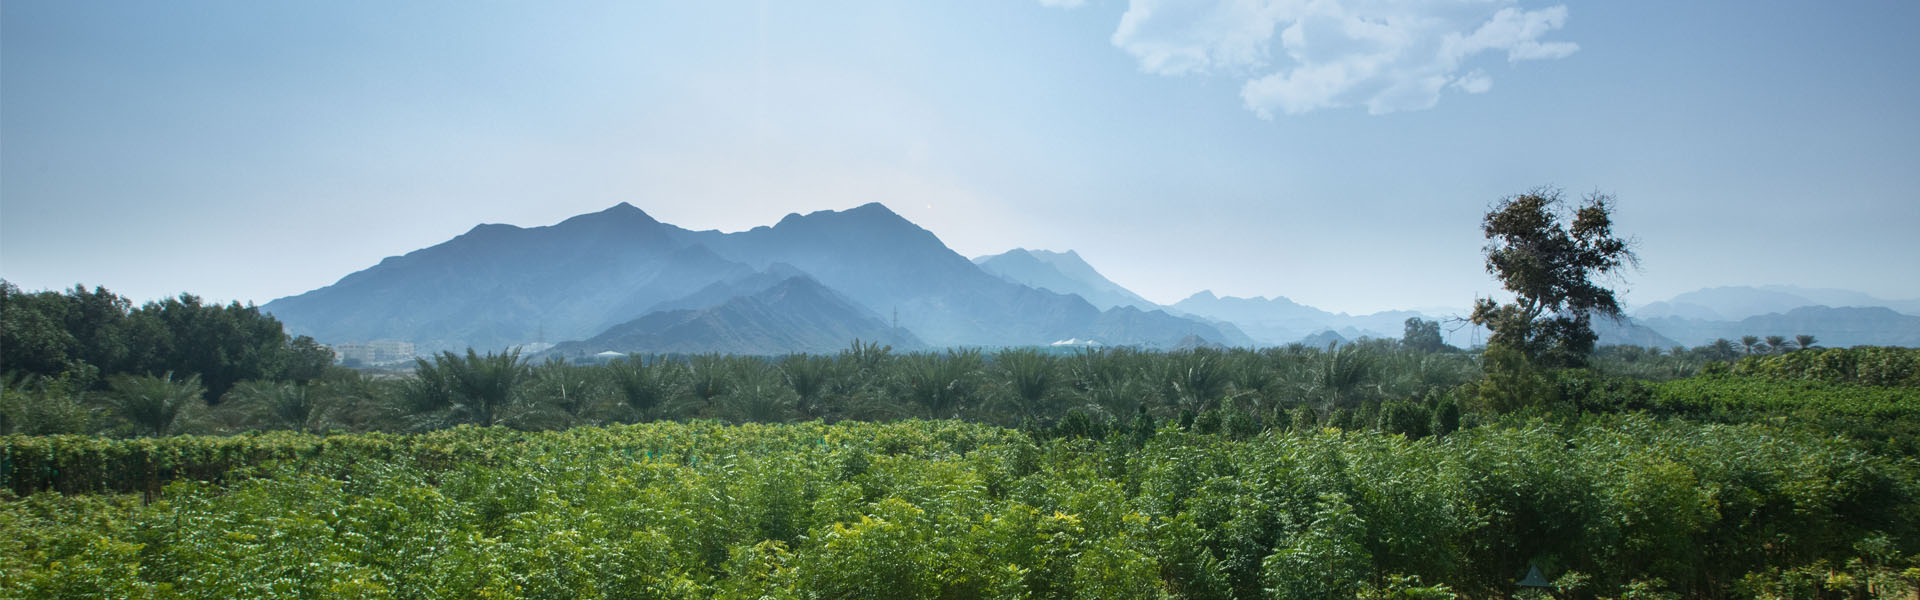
x: 83, y: 361
x: 67, y: 354
x: 88, y: 337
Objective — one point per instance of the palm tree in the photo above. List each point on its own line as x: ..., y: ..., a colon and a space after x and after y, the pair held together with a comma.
x: 1111, y: 378
x: 644, y: 384
x: 1342, y: 371
x: 941, y: 384
x: 756, y: 394
x: 1722, y: 349
x: 473, y: 389
x: 1776, y: 344
x: 154, y: 405
x: 808, y: 375
x: 1031, y: 375
x: 1196, y: 376
x: 864, y: 361
x: 1748, y: 344
x: 568, y: 395
x: 280, y: 405
x: 709, y: 376
x: 35, y: 405
x: 1804, y: 341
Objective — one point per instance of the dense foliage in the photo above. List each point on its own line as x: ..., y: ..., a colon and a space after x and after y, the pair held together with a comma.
x: 1549, y: 256
x: 1012, y: 387
x: 1381, y: 469
x: 941, y: 509
x: 86, y: 336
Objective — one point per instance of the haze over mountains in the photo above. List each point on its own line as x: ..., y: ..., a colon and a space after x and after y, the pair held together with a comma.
x: 1836, y: 317
x: 500, y: 285
x: 1061, y: 272
x: 1280, y: 320
x: 1734, y: 303
x: 796, y: 314
x: 619, y: 280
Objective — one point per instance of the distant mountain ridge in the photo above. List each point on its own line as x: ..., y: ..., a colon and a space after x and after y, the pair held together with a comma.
x: 795, y: 314
x: 1279, y: 320
x: 502, y: 285
x: 1834, y: 317
x: 1733, y: 303
x: 1062, y: 272
x: 1833, y: 327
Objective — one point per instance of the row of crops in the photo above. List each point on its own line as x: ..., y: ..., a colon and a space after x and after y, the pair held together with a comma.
x: 1608, y: 506
x: 1372, y: 472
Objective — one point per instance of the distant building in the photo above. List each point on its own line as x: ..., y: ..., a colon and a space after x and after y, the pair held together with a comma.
x: 372, y: 353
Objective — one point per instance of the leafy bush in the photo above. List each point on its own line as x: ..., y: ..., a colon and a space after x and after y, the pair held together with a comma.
x: 949, y: 509
x: 1865, y: 365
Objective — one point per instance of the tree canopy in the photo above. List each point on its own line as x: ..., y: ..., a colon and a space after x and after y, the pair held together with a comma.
x: 89, y: 335
x: 1423, y: 335
x: 1549, y: 255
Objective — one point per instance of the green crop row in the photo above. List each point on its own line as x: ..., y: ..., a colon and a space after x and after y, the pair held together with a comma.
x: 1866, y: 365
x: 74, y: 464
x: 1612, y: 506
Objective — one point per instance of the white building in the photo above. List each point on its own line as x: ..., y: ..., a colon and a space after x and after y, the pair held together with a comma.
x: 373, y: 353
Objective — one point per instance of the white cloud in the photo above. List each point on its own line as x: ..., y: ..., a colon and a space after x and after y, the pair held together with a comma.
x: 1303, y: 55
x: 1175, y: 37
x: 1476, y: 82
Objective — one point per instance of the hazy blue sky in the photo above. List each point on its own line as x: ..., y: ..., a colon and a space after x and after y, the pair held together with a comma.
x: 1338, y: 153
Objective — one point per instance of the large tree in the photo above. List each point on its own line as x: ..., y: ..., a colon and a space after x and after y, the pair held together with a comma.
x: 1549, y: 254
x: 1423, y: 335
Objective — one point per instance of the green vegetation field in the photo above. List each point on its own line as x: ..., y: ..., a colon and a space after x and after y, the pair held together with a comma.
x: 1646, y: 504
x: 943, y: 509
x: 1377, y: 470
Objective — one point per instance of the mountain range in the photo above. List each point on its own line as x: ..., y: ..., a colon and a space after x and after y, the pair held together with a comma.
x: 1733, y: 303
x: 1845, y: 326
x: 619, y: 280
x: 1278, y: 320
x: 599, y: 276
x: 1834, y: 317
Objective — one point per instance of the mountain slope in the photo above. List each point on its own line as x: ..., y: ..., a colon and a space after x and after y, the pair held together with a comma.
x: 499, y: 285
x: 1281, y: 321
x: 796, y: 314
x: 893, y: 266
x: 1629, y: 332
x: 1158, y: 329
x: 1062, y: 272
x: 890, y: 265
x: 721, y: 291
x: 1840, y: 298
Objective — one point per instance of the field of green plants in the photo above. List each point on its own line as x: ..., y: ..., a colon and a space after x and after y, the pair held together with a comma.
x: 1370, y: 472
